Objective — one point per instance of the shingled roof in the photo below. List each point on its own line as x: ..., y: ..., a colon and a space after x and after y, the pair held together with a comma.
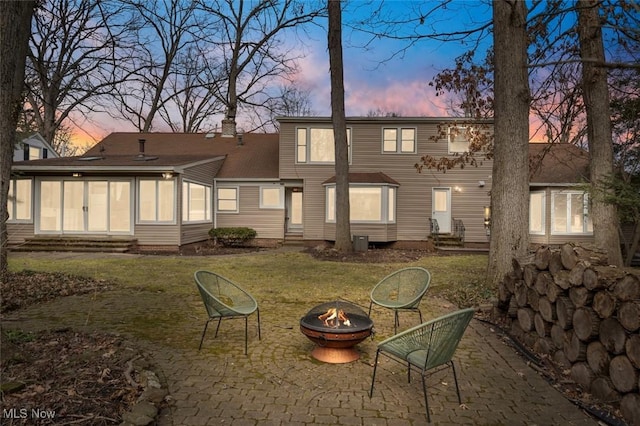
x: 557, y: 164
x: 252, y: 155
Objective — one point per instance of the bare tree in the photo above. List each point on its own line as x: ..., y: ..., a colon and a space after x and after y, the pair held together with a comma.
x: 596, y: 99
x: 165, y: 29
x: 15, y: 25
x: 71, y: 62
x: 253, y: 47
x: 343, y: 225
x: 510, y: 189
x: 289, y: 101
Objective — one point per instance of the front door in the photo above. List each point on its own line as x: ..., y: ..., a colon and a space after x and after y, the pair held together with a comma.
x: 441, y: 208
x: 293, y: 214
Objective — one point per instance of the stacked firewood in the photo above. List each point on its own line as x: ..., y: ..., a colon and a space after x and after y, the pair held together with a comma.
x: 569, y: 304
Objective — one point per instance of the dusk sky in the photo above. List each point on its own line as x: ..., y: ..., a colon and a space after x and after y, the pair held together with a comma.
x: 377, y: 77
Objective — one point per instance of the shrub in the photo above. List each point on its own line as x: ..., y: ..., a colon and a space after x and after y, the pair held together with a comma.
x: 237, y: 236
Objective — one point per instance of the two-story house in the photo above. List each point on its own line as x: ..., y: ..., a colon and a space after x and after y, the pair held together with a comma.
x: 166, y: 190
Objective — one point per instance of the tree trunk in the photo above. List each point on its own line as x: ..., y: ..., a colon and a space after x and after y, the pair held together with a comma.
x: 343, y: 226
x: 595, y: 91
x: 510, y: 190
x: 15, y: 27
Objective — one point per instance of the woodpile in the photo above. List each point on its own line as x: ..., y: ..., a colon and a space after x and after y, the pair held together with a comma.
x: 570, y: 305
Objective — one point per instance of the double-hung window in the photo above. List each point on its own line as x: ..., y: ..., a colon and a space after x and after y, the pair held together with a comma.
x: 570, y: 213
x: 157, y: 200
x: 196, y: 202
x: 367, y: 203
x: 399, y: 140
x: 19, y: 201
x: 315, y: 145
x: 227, y: 199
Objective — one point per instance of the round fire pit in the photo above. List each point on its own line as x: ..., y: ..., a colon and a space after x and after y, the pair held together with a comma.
x: 336, y: 327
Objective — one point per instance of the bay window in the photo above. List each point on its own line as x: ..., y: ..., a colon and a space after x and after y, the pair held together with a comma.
x: 156, y: 200
x: 367, y: 203
x: 196, y: 202
x: 537, y: 213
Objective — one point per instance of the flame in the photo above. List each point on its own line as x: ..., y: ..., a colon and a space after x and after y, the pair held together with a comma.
x: 333, y: 317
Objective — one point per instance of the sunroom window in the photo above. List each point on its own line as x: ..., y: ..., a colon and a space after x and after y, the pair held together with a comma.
x: 367, y: 203
x: 315, y: 145
x: 196, y: 202
x: 537, y: 213
x: 570, y: 213
x: 19, y: 201
x: 157, y: 200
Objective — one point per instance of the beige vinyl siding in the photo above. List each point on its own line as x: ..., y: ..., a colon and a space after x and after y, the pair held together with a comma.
x: 194, y: 233
x: 413, y: 207
x: 268, y: 223
x: 202, y: 173
x: 157, y: 235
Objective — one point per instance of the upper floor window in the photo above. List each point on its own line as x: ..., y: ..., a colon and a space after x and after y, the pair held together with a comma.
x: 19, y: 201
x: 196, y: 202
x: 156, y: 200
x: 570, y: 213
x: 316, y: 145
x: 399, y: 140
x: 458, y: 139
x: 227, y: 200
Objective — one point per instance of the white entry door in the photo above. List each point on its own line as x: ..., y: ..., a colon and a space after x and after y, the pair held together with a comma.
x: 294, y: 210
x: 441, y: 208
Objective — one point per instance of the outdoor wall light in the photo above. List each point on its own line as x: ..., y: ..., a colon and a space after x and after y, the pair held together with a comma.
x: 487, y: 217
x: 457, y: 189
x: 76, y: 174
x: 167, y: 175
x: 481, y: 183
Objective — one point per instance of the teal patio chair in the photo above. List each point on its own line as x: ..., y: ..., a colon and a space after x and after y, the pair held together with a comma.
x: 401, y: 290
x: 426, y: 347
x: 224, y: 299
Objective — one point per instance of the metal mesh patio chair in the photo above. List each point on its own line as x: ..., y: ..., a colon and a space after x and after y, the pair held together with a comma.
x: 401, y: 290
x: 426, y: 347
x: 224, y: 299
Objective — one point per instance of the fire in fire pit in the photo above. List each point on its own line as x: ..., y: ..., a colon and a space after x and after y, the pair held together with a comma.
x: 336, y: 327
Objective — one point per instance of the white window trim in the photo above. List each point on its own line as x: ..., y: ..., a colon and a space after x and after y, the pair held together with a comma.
x: 398, y: 149
x: 237, y: 199
x: 173, y: 221
x: 187, y: 199
x: 307, y: 160
x: 280, y: 205
x: 330, y: 216
x: 543, y: 213
x: 585, y: 213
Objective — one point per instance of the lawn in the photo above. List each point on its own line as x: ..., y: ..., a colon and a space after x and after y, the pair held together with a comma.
x: 155, y: 298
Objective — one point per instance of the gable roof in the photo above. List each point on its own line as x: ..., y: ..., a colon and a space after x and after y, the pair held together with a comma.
x: 252, y: 155
x: 560, y: 163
